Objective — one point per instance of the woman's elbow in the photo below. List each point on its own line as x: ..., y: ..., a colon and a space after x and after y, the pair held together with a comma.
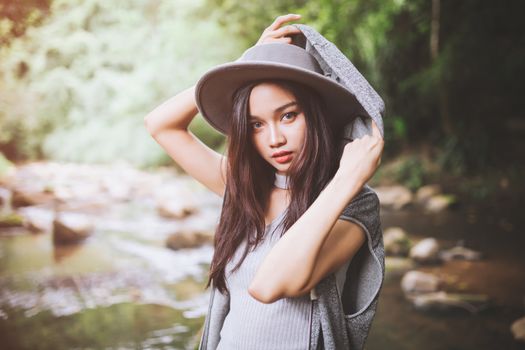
x: 263, y: 293
x: 267, y: 294
x: 148, y: 124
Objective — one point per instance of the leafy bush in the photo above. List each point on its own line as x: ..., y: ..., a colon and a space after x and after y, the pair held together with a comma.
x: 80, y: 84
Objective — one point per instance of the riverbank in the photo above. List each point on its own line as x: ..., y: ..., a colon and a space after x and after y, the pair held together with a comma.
x: 125, y: 268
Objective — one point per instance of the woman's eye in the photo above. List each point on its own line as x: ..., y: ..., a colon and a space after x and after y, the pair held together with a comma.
x: 256, y: 125
x: 291, y: 115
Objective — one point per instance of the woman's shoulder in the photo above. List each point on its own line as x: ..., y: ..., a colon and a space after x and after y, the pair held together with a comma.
x: 364, y: 207
x: 365, y: 197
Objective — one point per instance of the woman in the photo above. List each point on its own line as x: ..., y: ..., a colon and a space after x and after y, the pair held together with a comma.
x: 285, y: 183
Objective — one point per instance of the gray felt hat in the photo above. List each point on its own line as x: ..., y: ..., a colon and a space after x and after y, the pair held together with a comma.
x: 215, y: 89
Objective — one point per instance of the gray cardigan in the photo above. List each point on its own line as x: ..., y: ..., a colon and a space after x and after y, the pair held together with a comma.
x: 336, y: 324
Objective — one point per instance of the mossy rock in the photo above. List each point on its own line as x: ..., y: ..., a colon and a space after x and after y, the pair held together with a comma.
x: 11, y: 220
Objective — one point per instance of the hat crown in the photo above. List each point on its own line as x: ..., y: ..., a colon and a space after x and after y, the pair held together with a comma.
x: 283, y: 53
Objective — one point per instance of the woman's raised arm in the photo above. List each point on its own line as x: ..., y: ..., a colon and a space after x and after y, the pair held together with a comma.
x: 168, y: 125
x: 318, y: 243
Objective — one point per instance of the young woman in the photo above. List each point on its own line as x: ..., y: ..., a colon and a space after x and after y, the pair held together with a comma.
x: 285, y: 182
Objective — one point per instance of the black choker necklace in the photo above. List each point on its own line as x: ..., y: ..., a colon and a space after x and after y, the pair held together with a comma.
x: 281, y: 181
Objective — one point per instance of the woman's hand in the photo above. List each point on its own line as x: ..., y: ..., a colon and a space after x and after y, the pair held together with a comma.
x: 276, y: 34
x: 362, y: 156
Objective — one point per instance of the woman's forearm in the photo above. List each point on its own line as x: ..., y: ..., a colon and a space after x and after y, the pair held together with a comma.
x: 290, y: 263
x: 175, y: 113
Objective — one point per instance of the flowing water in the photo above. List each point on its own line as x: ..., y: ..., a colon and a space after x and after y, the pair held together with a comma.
x: 114, y: 290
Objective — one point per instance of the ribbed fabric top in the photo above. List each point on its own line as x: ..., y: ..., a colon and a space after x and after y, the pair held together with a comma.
x: 251, y: 324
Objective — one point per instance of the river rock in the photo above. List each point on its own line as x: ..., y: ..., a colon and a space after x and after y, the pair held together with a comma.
x: 424, y: 193
x: 398, y: 265
x: 188, y: 239
x: 175, y: 209
x: 71, y: 228
x: 116, y: 188
x: 27, y: 197
x: 396, y: 241
x: 37, y: 219
x: 395, y: 197
x: 440, y: 202
x: 518, y: 329
x: 459, y: 252
x: 11, y: 220
x: 419, y: 282
x: 425, y: 251
x: 443, y: 301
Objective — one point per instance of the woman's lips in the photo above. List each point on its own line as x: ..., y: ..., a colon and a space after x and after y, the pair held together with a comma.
x: 284, y: 158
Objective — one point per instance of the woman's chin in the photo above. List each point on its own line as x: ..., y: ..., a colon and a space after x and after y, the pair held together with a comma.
x: 281, y: 169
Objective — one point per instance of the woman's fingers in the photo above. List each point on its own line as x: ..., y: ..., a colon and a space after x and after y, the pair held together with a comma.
x: 280, y: 20
x: 286, y: 30
x: 268, y: 39
x: 274, y: 33
x: 376, y: 133
x: 375, y: 130
x: 286, y: 40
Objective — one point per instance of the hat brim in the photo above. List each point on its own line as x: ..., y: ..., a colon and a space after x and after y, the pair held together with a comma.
x: 214, y: 90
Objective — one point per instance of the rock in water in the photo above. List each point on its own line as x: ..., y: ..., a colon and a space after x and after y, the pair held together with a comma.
x: 396, y: 197
x: 396, y: 241
x: 398, y: 265
x: 425, y: 251
x: 441, y: 300
x: 440, y: 202
x: 419, y: 282
x: 424, y: 193
x: 11, y: 220
x: 23, y: 197
x: 460, y: 252
x: 188, y: 239
x: 71, y: 228
x: 175, y: 209
x: 518, y: 329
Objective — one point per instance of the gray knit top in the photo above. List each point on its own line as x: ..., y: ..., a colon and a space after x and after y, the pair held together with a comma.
x: 250, y: 324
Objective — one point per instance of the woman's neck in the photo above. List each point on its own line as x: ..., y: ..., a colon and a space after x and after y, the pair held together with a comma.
x: 281, y: 181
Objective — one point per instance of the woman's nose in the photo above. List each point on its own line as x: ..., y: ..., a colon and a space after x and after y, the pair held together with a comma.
x: 276, y: 136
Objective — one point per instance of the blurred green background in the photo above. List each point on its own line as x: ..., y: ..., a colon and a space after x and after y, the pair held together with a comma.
x: 79, y: 76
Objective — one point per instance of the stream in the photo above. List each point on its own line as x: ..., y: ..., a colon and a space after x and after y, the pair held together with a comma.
x: 122, y: 288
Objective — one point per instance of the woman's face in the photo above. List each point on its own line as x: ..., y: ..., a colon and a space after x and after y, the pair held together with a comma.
x: 277, y: 125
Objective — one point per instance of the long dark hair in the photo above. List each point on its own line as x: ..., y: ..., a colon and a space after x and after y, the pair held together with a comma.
x: 250, y: 178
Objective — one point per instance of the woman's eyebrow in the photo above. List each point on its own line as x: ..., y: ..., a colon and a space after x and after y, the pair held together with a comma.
x: 279, y: 109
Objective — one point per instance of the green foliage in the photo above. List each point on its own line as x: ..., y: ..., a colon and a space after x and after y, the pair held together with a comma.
x: 450, y: 158
x: 212, y: 138
x: 459, y: 100
x: 81, y: 83
x: 411, y: 173
x: 91, y: 66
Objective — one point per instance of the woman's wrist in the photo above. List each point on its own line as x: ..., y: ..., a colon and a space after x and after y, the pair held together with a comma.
x: 348, y: 183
